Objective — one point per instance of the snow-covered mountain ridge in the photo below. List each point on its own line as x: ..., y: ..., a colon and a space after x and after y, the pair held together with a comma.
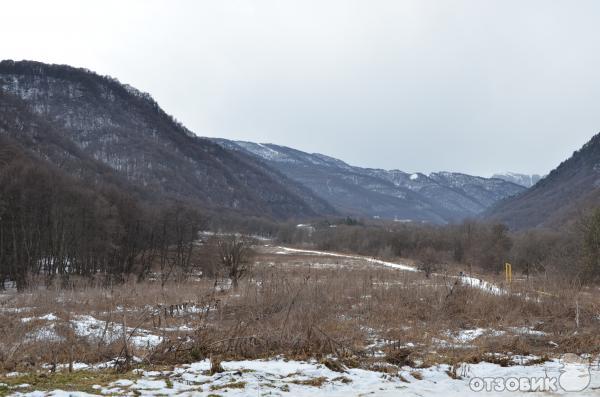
x: 526, y: 180
x: 439, y: 197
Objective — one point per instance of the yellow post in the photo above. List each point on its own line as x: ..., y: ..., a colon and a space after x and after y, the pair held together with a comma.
x: 508, y: 272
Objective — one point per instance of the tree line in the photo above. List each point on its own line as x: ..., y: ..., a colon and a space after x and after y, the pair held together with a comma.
x: 572, y: 251
x: 53, y: 227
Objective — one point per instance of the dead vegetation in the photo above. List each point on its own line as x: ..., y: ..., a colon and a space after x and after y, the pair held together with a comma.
x: 83, y: 381
x: 343, y: 315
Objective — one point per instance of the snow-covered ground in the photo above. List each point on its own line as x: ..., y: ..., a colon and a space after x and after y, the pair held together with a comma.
x: 93, y: 329
x: 482, y: 285
x: 278, y: 377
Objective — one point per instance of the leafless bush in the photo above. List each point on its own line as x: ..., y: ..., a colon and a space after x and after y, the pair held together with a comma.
x: 235, y: 253
x: 303, y: 311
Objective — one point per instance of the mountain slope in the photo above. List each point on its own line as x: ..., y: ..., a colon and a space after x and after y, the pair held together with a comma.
x: 33, y: 136
x: 572, y: 187
x: 127, y: 131
x: 439, y: 198
x: 525, y: 180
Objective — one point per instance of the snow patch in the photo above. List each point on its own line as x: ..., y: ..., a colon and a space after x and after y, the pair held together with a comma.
x: 286, y: 250
x: 280, y: 377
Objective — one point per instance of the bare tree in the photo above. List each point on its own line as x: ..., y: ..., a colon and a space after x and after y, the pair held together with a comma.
x: 428, y: 261
x: 235, y: 253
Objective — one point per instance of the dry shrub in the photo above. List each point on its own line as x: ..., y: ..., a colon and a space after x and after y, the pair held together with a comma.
x: 399, y: 357
x: 215, y: 365
x: 333, y: 365
x: 587, y: 342
x: 301, y: 311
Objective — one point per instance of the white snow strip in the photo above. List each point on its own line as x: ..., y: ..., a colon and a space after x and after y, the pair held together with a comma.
x: 466, y: 280
x: 286, y: 250
x: 483, y: 285
x: 47, y: 317
x: 277, y: 377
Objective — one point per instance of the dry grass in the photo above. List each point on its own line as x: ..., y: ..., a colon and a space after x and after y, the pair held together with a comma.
x: 315, y: 382
x: 232, y: 385
x: 361, y: 315
x: 80, y: 380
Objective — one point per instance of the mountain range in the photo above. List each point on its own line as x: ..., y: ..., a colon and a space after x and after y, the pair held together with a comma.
x: 75, y: 116
x: 100, y: 131
x: 439, y: 197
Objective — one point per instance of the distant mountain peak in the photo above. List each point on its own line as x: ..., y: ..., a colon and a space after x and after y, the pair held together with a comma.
x: 526, y: 180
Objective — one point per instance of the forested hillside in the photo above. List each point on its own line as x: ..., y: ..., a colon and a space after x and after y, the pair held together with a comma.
x: 127, y: 130
x: 563, y: 196
x: 97, y: 181
x: 54, y: 226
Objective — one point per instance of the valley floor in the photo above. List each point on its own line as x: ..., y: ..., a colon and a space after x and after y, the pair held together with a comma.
x: 307, y: 323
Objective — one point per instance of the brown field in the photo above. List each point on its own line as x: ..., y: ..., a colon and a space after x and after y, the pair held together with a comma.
x: 299, y: 306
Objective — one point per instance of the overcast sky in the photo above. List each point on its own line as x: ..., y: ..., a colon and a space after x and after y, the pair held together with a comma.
x: 472, y: 86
